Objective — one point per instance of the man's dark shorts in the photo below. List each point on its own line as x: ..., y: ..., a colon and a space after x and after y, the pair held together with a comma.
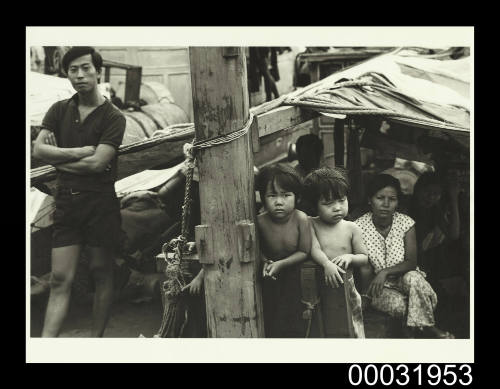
x: 91, y: 218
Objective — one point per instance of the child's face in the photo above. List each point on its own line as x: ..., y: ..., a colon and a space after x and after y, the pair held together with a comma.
x: 384, y: 202
x: 279, y: 202
x: 331, y: 211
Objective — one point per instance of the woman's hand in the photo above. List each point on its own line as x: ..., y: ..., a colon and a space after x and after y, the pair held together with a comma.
x: 377, y: 284
x: 343, y: 260
x: 332, y: 275
x: 433, y: 239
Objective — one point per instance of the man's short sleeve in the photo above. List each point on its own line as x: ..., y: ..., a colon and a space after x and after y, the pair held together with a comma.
x: 114, y: 129
x: 51, y: 119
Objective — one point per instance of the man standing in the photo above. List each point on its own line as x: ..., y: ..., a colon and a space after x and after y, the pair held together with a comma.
x: 80, y: 138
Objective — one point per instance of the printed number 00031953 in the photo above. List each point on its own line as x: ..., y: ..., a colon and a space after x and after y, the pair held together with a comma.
x: 402, y: 375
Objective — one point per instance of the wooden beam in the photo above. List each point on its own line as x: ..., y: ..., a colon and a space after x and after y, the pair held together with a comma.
x: 282, y: 118
x: 227, y: 197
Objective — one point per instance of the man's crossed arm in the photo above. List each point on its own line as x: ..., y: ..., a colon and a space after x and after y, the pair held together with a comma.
x: 77, y: 160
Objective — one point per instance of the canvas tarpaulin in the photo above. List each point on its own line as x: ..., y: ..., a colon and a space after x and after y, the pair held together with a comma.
x: 422, y: 92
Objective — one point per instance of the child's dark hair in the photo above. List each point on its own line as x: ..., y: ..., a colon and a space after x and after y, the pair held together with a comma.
x: 78, y: 51
x: 380, y: 181
x: 329, y: 183
x: 283, y: 175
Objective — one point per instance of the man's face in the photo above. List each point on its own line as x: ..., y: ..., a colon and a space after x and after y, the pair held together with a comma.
x: 82, y: 74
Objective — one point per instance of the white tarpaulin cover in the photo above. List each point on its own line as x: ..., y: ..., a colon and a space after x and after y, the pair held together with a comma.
x: 145, y: 180
x: 421, y: 90
x: 44, y: 90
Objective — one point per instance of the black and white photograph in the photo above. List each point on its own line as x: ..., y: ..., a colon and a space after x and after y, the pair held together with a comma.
x: 308, y: 188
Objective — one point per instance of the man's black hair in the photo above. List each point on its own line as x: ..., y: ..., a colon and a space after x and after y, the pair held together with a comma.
x: 309, y: 149
x: 381, y: 181
x: 283, y: 175
x: 78, y: 51
x: 326, y: 182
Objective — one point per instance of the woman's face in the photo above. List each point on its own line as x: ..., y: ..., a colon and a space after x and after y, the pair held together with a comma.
x: 384, y: 202
x: 429, y: 196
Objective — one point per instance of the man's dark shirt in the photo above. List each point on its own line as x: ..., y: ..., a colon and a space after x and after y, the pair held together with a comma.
x: 105, y: 124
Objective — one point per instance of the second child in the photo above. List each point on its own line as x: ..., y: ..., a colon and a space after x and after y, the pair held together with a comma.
x: 337, y: 244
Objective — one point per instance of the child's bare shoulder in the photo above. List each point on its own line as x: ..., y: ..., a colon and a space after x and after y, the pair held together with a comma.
x: 351, y: 226
x: 301, y: 216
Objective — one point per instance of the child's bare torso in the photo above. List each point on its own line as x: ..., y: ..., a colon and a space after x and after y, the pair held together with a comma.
x: 334, y: 239
x: 279, y: 240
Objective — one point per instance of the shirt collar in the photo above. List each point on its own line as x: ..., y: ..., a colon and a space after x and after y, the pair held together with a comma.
x: 75, y: 99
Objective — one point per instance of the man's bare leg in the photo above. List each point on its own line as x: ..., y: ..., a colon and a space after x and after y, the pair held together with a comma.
x: 64, y: 263
x: 101, y: 268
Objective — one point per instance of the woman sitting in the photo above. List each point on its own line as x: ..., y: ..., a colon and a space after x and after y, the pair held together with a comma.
x: 435, y: 210
x: 399, y: 287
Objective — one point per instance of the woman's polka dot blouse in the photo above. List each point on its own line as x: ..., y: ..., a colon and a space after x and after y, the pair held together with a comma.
x: 385, y: 252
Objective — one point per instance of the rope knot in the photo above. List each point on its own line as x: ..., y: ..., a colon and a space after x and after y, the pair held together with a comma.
x: 188, y: 151
x: 310, y: 307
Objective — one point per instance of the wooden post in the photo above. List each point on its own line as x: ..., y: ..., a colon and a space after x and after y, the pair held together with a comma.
x: 338, y: 142
x: 133, y: 84
x: 314, y: 73
x: 227, y: 240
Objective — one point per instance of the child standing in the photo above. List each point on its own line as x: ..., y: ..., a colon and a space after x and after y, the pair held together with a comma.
x: 285, y: 242
x: 337, y: 244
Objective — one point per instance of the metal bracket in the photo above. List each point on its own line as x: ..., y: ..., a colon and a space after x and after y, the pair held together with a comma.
x: 203, y: 234
x: 246, y: 240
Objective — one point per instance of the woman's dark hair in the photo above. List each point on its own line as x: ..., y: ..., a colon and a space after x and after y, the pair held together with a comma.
x: 427, y: 179
x: 283, y: 175
x: 380, y: 181
x: 329, y: 183
x: 78, y: 51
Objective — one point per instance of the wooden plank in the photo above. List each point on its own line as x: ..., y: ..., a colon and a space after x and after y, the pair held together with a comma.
x: 282, y: 118
x: 119, y: 65
x: 227, y: 196
x: 133, y: 85
x: 157, y: 155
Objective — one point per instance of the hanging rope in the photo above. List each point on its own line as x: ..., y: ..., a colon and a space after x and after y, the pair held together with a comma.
x: 308, y: 314
x: 177, y: 271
